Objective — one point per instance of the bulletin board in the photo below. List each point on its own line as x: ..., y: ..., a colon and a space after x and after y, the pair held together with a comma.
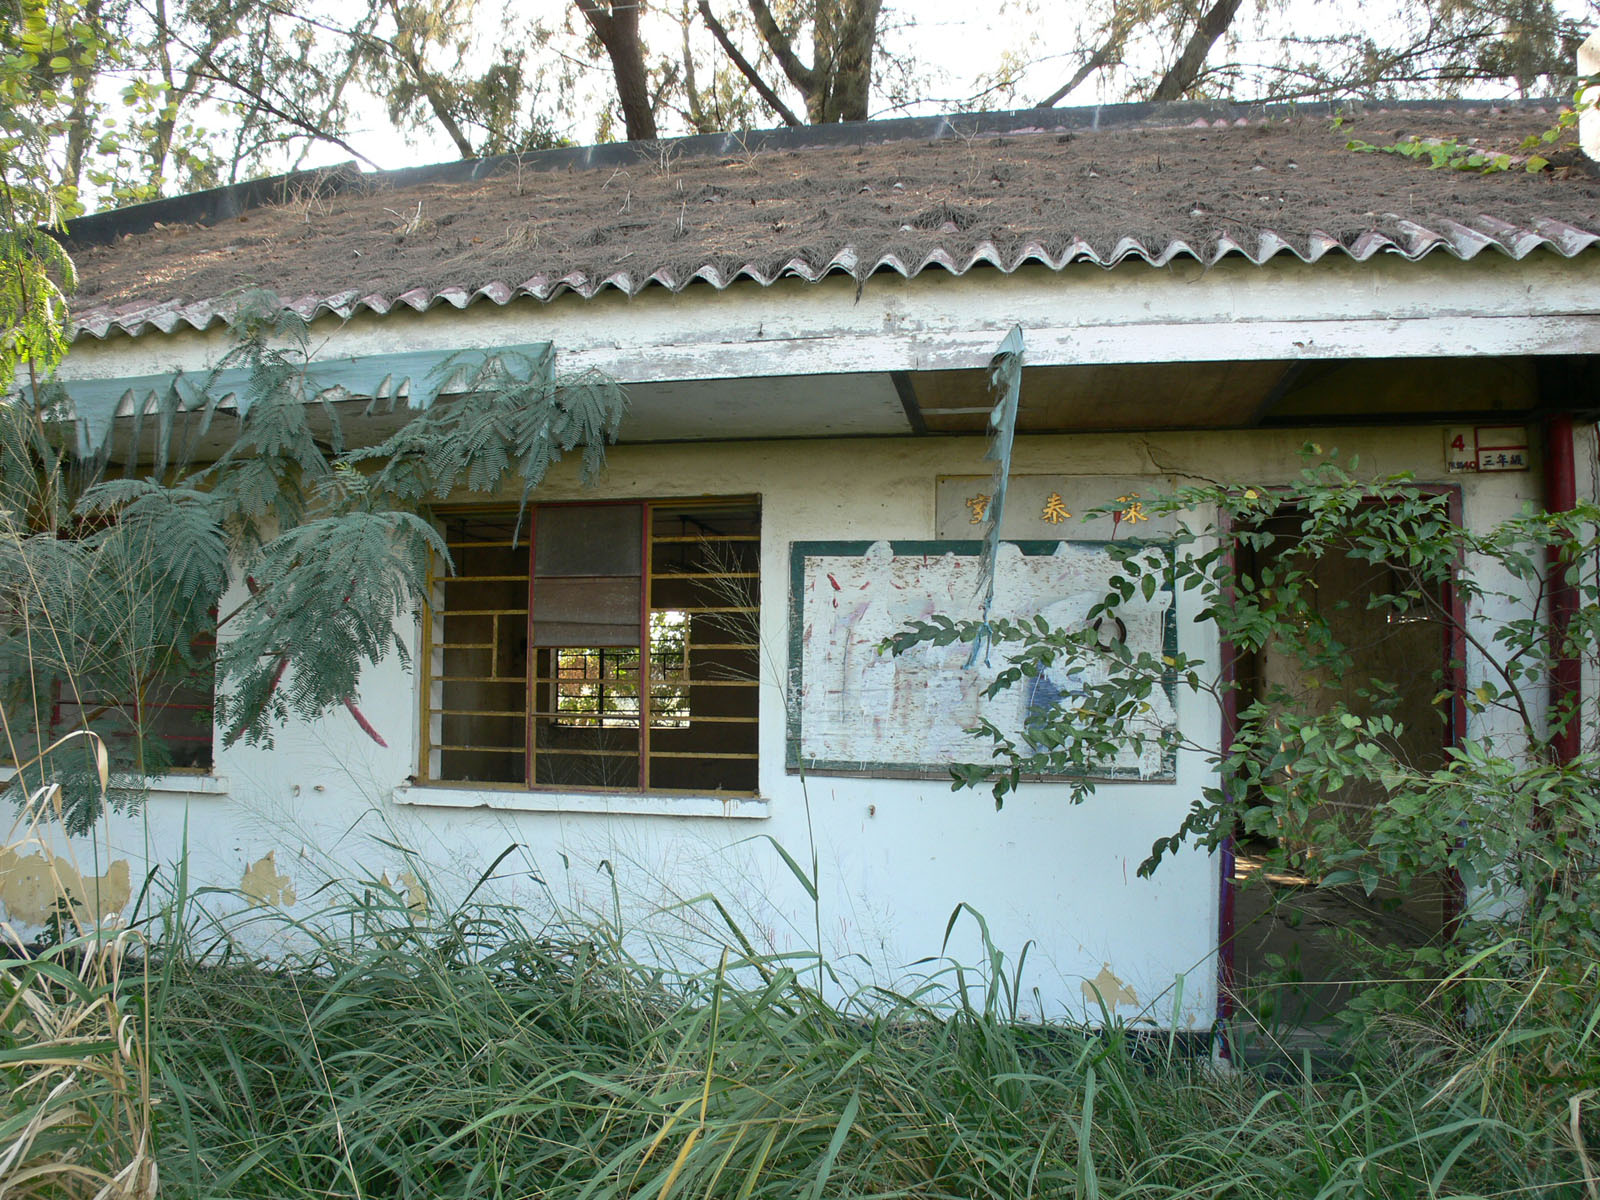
x: 854, y: 710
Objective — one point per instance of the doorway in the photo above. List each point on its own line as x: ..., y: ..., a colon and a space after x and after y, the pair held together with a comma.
x: 1297, y: 952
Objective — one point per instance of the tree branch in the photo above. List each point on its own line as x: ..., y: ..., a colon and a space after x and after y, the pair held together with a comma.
x: 298, y: 122
x: 1183, y: 73
x: 428, y: 84
x: 749, y: 72
x: 1100, y: 58
x: 781, y: 48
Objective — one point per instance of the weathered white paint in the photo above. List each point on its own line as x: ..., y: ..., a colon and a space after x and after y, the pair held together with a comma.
x: 1586, y: 460
x: 783, y: 406
x: 895, y: 856
x: 1491, y: 305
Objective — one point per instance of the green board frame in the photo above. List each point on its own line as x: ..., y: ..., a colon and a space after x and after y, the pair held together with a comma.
x: 799, y: 552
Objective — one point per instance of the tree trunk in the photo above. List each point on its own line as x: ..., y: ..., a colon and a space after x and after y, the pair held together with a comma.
x: 222, y: 24
x: 746, y: 68
x: 1102, y: 57
x: 617, y: 27
x: 1183, y: 73
x: 838, y: 84
x: 778, y: 42
x: 691, y: 93
x: 847, y: 35
x: 79, y: 127
x: 419, y: 71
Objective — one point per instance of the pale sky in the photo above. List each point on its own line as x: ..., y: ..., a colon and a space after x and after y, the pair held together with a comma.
x: 954, y: 44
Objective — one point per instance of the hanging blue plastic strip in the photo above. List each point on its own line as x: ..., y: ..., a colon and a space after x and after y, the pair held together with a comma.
x: 97, y: 411
x: 1005, y: 380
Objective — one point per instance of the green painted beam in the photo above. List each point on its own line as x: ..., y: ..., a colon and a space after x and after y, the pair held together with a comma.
x: 423, y: 374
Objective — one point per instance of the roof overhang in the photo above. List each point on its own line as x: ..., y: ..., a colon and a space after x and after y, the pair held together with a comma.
x: 835, y: 358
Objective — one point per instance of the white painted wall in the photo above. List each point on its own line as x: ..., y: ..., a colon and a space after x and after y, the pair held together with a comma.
x: 1586, y: 471
x: 895, y: 857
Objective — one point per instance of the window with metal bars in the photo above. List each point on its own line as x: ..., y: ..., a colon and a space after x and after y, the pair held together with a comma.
x: 611, y: 646
x: 176, y: 712
x: 160, y: 723
x: 154, y: 717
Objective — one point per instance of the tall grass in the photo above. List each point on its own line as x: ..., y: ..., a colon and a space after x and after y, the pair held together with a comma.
x: 471, y: 1053
x: 408, y: 1050
x: 75, y: 1104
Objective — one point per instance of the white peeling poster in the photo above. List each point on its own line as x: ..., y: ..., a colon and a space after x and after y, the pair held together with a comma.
x: 854, y: 709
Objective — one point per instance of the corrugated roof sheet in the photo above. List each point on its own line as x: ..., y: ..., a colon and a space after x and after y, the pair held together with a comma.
x: 1091, y: 186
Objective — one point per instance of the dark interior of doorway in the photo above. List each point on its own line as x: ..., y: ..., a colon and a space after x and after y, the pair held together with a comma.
x: 1301, y: 952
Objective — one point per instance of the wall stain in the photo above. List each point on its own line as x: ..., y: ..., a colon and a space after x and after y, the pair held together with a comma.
x: 264, y: 884
x: 416, y: 897
x: 31, y: 886
x: 1108, y: 988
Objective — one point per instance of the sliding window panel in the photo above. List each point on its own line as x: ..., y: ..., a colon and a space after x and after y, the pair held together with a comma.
x: 478, y: 656
x: 705, y: 662
x: 588, y: 605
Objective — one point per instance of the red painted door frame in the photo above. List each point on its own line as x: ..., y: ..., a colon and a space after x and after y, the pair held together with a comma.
x: 1454, y: 650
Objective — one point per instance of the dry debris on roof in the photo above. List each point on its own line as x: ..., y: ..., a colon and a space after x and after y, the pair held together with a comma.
x: 1204, y: 190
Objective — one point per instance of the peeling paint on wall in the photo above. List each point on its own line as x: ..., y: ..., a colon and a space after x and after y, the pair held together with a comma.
x: 31, y: 886
x: 416, y: 897
x: 1108, y: 989
x: 265, y: 884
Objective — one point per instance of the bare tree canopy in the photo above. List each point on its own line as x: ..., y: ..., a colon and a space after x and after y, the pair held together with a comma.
x: 148, y: 97
x: 1183, y: 49
x: 843, y: 34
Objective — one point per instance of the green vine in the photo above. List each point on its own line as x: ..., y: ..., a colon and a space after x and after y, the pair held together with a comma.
x: 1465, y: 156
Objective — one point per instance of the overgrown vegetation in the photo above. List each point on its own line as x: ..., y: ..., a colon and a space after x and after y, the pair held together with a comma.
x: 74, y: 1054
x: 1319, y: 772
x: 402, y: 1049
x: 120, y: 540
x: 487, y: 1052
x: 117, y: 549
x: 1467, y: 156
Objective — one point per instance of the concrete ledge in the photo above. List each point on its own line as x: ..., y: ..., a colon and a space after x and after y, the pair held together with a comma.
x: 615, y: 804
x: 177, y: 784
x: 188, y: 785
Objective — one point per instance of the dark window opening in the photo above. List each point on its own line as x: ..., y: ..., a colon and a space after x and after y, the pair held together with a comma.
x: 612, y: 646
x: 158, y: 723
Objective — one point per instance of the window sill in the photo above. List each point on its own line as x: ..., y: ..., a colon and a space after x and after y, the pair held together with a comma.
x: 616, y: 804
x: 189, y: 785
x: 178, y: 784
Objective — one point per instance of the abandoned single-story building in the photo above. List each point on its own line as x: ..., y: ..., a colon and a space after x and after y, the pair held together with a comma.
x: 803, y: 322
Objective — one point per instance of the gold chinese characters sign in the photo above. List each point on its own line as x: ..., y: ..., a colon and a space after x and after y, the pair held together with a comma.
x: 1052, y: 506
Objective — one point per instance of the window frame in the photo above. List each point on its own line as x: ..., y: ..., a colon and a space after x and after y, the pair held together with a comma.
x: 603, y: 713
x: 430, y: 674
x: 98, y: 704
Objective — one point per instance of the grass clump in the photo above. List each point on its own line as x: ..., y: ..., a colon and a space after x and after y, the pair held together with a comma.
x: 472, y: 1054
x: 76, y: 1111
